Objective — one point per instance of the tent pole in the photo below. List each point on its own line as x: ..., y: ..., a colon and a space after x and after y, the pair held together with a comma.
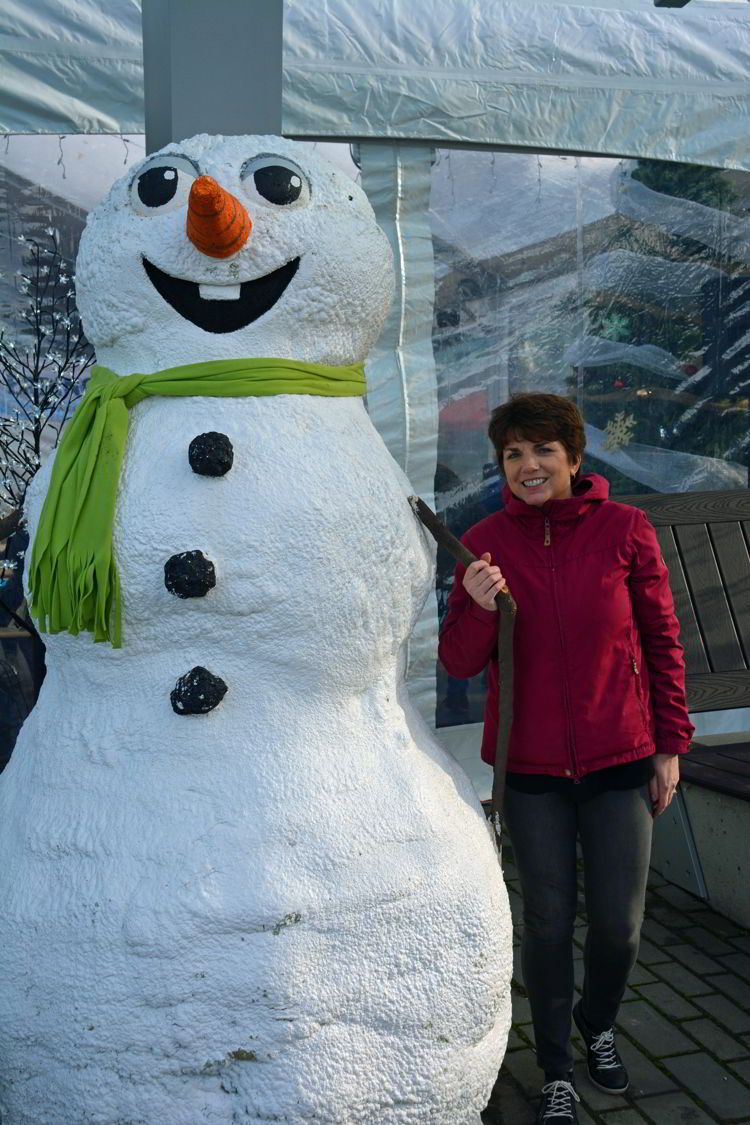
x: 211, y: 68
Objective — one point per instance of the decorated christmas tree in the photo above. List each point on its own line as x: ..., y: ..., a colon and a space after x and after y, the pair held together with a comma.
x: 665, y: 362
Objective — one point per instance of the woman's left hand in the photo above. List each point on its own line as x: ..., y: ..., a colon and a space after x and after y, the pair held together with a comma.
x: 662, y: 785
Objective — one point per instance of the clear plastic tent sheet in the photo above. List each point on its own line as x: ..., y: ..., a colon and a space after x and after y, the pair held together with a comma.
x: 546, y: 279
x: 614, y: 77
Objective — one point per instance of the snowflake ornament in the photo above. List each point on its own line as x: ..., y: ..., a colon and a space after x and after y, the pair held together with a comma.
x: 619, y: 431
x: 614, y: 326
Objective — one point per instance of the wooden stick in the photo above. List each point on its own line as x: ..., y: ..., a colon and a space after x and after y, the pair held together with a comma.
x: 506, y: 621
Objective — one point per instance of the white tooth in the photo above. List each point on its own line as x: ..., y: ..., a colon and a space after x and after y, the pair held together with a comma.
x: 219, y: 292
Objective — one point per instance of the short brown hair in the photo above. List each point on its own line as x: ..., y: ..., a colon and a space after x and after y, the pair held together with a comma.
x: 538, y: 417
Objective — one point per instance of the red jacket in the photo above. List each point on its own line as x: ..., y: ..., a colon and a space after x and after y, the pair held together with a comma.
x: 598, y: 668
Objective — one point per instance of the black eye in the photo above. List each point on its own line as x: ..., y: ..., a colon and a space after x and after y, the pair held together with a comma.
x: 163, y: 185
x: 276, y: 180
x: 278, y: 184
x: 157, y: 186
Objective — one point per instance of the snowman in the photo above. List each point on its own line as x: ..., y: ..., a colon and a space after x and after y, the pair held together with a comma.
x: 240, y: 880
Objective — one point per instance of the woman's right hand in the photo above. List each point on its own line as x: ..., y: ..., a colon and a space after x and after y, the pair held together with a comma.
x: 483, y: 581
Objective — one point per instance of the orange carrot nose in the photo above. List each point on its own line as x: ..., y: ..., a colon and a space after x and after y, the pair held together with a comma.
x: 217, y: 223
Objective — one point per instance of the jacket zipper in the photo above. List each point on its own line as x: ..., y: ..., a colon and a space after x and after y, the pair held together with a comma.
x: 573, y: 759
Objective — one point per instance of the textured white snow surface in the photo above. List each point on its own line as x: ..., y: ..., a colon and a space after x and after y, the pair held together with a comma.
x: 289, y: 909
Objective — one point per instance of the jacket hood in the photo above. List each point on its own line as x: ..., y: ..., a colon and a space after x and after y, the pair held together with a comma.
x: 588, y: 489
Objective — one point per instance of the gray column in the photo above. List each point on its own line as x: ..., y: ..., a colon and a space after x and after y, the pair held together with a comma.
x: 211, y: 67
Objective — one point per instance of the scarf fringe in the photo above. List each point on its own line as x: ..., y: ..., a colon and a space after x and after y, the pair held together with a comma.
x: 90, y: 605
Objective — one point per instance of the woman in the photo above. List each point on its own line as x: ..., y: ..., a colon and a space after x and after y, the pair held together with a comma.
x: 599, y: 719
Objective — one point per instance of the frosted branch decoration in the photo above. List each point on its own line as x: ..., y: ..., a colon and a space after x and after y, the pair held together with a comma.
x: 43, y: 365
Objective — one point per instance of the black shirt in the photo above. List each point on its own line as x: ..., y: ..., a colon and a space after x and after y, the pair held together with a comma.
x: 629, y: 775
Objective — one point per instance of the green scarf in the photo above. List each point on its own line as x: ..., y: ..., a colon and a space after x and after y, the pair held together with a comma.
x: 73, y: 577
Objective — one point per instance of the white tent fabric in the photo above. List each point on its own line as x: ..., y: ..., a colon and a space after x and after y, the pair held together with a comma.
x: 71, y: 66
x: 617, y: 78
x: 603, y: 80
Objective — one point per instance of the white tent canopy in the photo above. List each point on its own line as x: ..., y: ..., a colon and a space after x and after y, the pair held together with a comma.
x: 609, y: 78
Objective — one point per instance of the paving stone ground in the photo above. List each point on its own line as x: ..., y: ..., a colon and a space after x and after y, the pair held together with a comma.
x: 683, y: 1031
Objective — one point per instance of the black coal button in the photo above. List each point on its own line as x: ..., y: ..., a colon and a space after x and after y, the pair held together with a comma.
x: 211, y: 454
x: 189, y: 575
x: 197, y: 692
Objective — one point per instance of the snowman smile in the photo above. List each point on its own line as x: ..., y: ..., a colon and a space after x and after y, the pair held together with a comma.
x: 238, y: 307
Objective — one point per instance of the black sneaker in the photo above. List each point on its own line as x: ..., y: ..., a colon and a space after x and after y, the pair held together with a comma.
x: 605, y: 1066
x: 558, y: 1105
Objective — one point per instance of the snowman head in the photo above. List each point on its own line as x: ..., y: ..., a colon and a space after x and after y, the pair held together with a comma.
x: 232, y: 247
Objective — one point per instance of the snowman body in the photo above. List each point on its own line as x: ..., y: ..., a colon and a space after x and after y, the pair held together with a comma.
x: 287, y: 908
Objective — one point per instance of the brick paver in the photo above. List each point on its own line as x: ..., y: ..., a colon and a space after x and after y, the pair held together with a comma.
x: 652, y: 954
x: 734, y: 987
x: 695, y: 960
x: 707, y: 942
x: 683, y: 900
x: 681, y: 979
x: 738, y: 963
x: 708, y: 1080
x: 657, y: 1034
x: 684, y: 1026
x: 642, y: 975
x: 717, y: 1042
x: 725, y: 1012
x: 673, y: 1109
x: 627, y: 1116
x: 668, y: 1001
x: 741, y: 1067
x: 721, y: 926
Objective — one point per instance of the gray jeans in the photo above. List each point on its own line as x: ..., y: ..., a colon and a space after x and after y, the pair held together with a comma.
x: 615, y: 833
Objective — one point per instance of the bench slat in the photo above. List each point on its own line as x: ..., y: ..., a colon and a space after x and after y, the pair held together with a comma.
x: 692, y: 507
x: 734, y: 563
x: 709, y: 598
x: 734, y: 757
x: 696, y: 660
x: 733, y: 754
x: 722, y: 767
x: 717, y: 691
x: 708, y: 777
x: 739, y: 771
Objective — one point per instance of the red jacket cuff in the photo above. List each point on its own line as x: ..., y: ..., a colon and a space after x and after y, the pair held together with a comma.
x: 672, y: 746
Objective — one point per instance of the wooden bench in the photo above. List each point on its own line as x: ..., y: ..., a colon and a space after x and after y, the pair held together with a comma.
x: 704, y: 539
x: 704, y: 542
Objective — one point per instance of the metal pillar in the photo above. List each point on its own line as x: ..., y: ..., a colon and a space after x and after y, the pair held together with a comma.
x: 211, y: 67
